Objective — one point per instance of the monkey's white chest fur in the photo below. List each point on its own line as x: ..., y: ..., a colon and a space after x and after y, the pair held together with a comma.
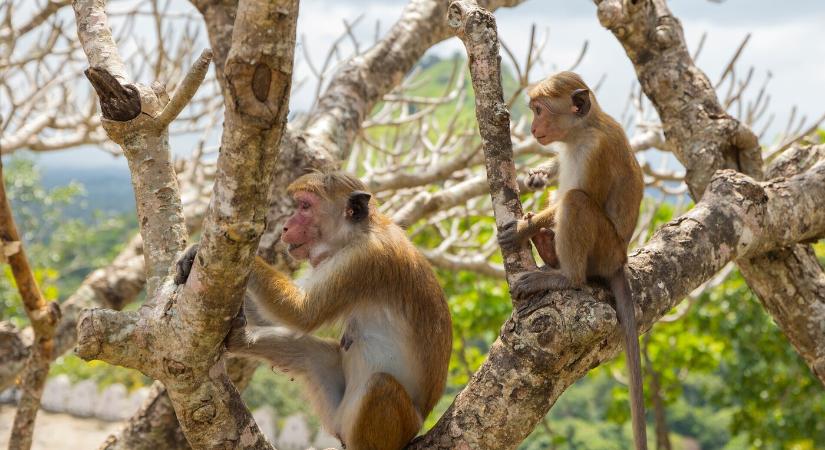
x: 572, y: 167
x: 373, y: 342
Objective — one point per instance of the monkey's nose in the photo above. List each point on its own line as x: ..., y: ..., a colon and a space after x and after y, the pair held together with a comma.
x: 285, y: 228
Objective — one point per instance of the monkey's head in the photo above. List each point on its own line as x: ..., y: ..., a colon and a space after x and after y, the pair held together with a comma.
x: 330, y: 211
x: 560, y: 104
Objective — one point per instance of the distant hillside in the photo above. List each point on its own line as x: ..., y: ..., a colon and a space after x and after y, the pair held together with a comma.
x: 108, y: 190
x: 436, y: 72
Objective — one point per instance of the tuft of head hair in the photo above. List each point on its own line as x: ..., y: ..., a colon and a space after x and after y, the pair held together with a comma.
x: 333, y: 185
x: 557, y: 85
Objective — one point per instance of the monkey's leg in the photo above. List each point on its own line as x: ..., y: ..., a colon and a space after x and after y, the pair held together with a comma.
x: 545, y: 243
x: 317, y: 362
x: 518, y: 232
x: 386, y: 418
x: 578, y: 223
x: 586, y: 245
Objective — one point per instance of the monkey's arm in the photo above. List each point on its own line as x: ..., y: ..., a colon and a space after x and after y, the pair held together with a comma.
x: 328, y: 294
x: 545, y: 218
x: 271, y: 290
x: 276, y: 294
x: 518, y: 232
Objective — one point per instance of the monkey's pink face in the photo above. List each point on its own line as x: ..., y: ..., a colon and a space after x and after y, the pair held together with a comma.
x: 548, y: 125
x: 302, y: 231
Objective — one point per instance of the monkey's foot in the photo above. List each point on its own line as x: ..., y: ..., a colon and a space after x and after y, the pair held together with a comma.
x: 238, y: 339
x: 531, y: 283
x: 508, y: 236
x: 537, y: 179
x: 184, y: 264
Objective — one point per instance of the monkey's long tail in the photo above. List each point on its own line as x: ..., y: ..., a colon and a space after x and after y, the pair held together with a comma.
x: 627, y: 320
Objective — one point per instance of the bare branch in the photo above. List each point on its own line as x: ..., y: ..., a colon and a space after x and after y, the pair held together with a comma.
x: 476, y: 27
x: 43, y: 317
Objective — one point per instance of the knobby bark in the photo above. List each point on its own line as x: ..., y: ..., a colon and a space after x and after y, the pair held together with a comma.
x: 476, y: 27
x: 176, y: 337
x: 789, y: 282
x: 43, y: 317
x: 705, y: 137
x: 154, y: 425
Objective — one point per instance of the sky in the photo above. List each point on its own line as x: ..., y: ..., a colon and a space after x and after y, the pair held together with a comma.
x: 788, y: 40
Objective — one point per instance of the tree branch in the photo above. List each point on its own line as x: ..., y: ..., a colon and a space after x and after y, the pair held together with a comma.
x: 258, y: 77
x: 704, y: 137
x: 790, y: 281
x: 476, y: 28
x: 43, y: 317
x: 567, y: 333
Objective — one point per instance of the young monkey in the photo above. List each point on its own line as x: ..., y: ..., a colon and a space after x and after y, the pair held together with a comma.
x: 374, y: 387
x: 594, y: 214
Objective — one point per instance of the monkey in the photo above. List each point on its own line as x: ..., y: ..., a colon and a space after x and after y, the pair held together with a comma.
x: 594, y: 214
x: 373, y: 387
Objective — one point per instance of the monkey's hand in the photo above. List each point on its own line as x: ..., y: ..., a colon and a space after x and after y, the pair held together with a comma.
x: 515, y: 233
x: 537, y: 179
x: 237, y: 340
x: 528, y: 284
x: 184, y: 264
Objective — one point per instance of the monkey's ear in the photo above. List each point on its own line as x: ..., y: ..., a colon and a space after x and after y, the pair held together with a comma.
x: 581, y: 101
x: 358, y: 205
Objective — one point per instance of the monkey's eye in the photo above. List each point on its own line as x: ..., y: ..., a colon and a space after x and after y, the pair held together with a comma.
x: 303, y: 205
x: 538, y: 111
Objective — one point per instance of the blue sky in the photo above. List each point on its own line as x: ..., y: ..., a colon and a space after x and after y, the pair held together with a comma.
x: 788, y: 39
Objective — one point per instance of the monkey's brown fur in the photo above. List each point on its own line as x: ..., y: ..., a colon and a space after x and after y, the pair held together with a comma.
x: 597, y: 206
x: 374, y: 388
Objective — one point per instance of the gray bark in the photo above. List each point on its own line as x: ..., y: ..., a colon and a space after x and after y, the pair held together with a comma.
x: 476, y: 27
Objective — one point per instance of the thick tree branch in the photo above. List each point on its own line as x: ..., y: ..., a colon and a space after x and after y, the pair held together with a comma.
x: 96, y: 38
x: 790, y: 281
x: 258, y: 77
x: 568, y: 333
x: 704, y: 137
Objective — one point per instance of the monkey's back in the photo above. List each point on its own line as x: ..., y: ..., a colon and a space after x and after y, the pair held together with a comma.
x: 622, y: 192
